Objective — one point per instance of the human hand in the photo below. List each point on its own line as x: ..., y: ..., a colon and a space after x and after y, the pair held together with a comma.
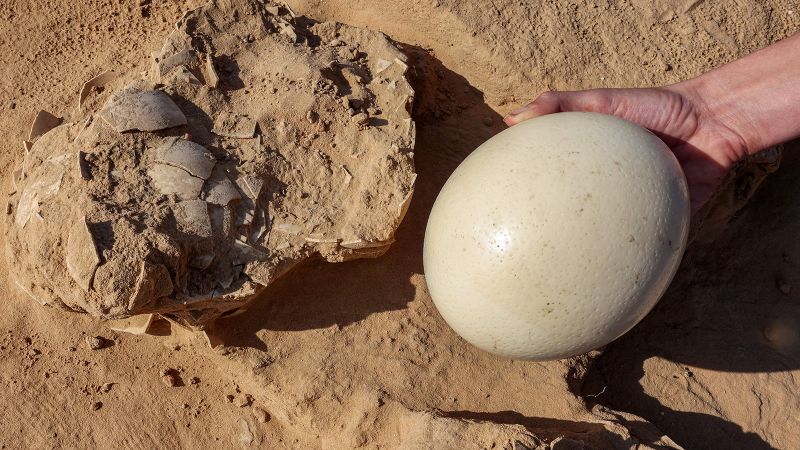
x: 704, y: 145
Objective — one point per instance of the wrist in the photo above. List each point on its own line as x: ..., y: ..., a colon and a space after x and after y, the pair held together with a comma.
x: 722, y: 106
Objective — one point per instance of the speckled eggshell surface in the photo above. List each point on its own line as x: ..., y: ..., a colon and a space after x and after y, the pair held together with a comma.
x: 556, y: 236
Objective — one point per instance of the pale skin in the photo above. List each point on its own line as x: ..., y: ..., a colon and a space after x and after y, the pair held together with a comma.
x: 710, y: 122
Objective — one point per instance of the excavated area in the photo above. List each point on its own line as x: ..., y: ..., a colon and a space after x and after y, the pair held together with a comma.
x: 253, y: 143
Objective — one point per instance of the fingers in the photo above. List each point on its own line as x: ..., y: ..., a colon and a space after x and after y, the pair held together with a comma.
x: 552, y: 102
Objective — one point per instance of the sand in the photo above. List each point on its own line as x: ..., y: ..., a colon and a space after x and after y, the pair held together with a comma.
x: 354, y: 354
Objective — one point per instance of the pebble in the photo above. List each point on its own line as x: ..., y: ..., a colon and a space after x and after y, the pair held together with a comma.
x: 194, y: 380
x: 106, y: 387
x: 96, y: 406
x: 361, y: 119
x: 95, y: 342
x: 261, y: 414
x: 243, y: 400
x: 169, y: 377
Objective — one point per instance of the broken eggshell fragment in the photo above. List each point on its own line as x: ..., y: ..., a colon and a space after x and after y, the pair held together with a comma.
x: 42, y: 123
x: 97, y: 82
x: 189, y: 156
x: 82, y: 258
x: 174, y: 180
x: 196, y: 196
x: 134, y: 109
x: 220, y: 190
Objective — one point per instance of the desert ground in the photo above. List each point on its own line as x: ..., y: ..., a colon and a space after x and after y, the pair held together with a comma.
x: 354, y: 354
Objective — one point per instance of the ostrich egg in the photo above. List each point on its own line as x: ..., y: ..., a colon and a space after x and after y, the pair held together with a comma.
x: 556, y: 236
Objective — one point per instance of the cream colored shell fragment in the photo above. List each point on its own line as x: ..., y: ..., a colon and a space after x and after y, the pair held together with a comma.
x: 82, y: 258
x: 556, y: 236
x: 135, y: 109
x: 42, y: 123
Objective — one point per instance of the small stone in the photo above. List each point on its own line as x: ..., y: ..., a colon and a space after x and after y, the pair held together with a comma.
x: 361, y: 119
x: 312, y: 117
x: 194, y: 380
x: 170, y: 377
x: 96, y: 406
x: 95, y: 342
x: 229, y: 398
x: 261, y: 414
x: 34, y: 352
x: 73, y: 349
x: 243, y: 400
x: 667, y: 67
x: 106, y: 387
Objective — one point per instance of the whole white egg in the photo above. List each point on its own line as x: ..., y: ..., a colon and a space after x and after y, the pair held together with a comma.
x: 556, y: 236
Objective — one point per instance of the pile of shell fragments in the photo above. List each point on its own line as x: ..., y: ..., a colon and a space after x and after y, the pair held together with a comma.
x: 255, y: 140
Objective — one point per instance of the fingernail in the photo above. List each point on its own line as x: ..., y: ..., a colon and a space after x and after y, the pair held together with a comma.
x: 517, y: 111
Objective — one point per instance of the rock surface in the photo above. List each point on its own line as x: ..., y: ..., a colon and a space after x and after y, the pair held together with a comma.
x: 188, y: 191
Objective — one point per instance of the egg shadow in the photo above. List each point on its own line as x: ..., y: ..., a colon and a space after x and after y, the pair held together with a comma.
x: 452, y: 119
x: 731, y: 308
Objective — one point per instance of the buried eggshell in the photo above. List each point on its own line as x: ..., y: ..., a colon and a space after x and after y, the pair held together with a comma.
x: 193, y: 217
x: 134, y: 325
x: 174, y: 180
x: 144, y: 110
x: 556, y: 236
x: 175, y: 240
x: 220, y: 190
x: 82, y: 258
x: 42, y: 123
x: 251, y: 185
x: 96, y: 82
x: 189, y: 156
x: 186, y: 57
x: 212, y: 79
x: 182, y: 76
x: 152, y: 283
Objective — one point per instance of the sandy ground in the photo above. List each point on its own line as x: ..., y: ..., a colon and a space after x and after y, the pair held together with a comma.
x: 354, y: 355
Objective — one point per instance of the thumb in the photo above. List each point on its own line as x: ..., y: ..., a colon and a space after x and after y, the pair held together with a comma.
x: 594, y: 100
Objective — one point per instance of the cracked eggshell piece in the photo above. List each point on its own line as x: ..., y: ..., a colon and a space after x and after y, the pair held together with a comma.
x: 174, y: 180
x: 143, y: 110
x: 189, y: 156
x: 556, y: 236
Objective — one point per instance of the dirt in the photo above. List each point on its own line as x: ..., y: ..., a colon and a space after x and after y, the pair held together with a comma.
x: 354, y: 354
